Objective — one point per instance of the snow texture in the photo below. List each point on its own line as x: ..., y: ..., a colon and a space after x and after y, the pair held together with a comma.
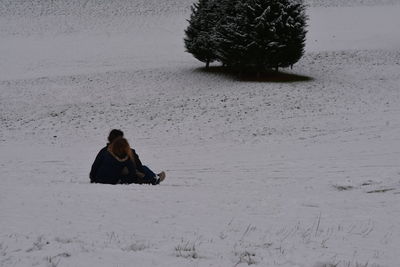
x: 302, y: 173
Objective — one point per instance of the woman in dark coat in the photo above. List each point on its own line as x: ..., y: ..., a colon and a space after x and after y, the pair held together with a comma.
x: 143, y: 174
x: 117, y: 165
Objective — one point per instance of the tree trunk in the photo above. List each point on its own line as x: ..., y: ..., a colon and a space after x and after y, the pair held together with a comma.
x: 207, y: 64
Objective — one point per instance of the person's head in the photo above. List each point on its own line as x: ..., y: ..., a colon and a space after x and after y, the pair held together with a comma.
x: 114, y: 134
x: 120, y: 148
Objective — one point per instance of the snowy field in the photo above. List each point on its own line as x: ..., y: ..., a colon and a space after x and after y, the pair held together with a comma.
x: 296, y: 174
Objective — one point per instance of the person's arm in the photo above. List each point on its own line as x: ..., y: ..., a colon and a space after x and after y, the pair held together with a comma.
x: 96, y: 164
x: 129, y: 176
x: 138, y: 163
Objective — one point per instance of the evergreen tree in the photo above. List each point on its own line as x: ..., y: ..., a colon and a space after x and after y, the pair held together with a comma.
x: 225, y: 31
x: 200, y: 34
x: 262, y: 34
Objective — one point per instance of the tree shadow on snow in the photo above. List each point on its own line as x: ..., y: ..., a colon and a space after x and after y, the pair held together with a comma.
x: 266, y: 76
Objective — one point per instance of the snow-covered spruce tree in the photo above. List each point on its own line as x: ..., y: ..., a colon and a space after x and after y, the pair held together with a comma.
x: 262, y: 35
x: 225, y: 27
x: 200, y: 34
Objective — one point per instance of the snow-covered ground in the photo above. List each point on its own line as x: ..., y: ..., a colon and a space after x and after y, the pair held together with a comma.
x: 302, y: 173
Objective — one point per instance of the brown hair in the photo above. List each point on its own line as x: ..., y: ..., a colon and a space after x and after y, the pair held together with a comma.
x: 120, y: 148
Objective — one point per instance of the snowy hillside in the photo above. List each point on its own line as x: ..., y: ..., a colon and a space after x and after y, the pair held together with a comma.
x: 302, y: 173
x: 90, y: 8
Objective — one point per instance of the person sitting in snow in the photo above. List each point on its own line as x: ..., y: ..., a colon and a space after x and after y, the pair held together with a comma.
x: 142, y: 175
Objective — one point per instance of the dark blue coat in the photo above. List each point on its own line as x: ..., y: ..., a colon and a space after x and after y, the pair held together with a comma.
x: 99, y: 161
x: 96, y: 164
x: 107, y: 169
